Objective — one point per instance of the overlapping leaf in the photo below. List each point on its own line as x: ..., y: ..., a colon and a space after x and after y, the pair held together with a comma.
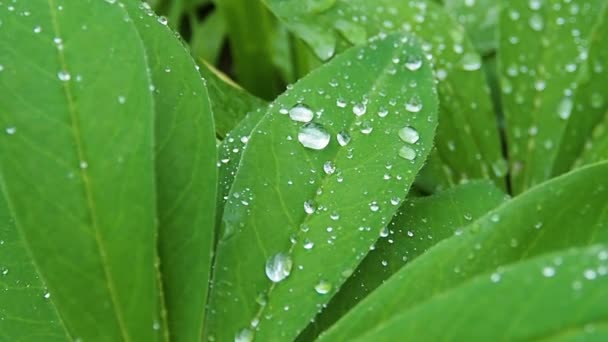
x: 348, y: 162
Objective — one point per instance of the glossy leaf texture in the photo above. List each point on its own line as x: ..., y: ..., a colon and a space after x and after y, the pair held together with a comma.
x: 419, y: 224
x: 551, y: 297
x: 27, y: 312
x: 468, y: 144
x: 480, y: 19
x: 230, y: 103
x: 533, y: 223
x: 544, y: 46
x: 186, y: 174
x: 584, y: 138
x: 323, y: 172
x: 78, y: 176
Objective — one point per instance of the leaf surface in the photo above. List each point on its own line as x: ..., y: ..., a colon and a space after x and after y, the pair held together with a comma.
x: 77, y: 163
x: 186, y: 174
x: 550, y: 297
x: 533, y: 223
x: 349, y: 187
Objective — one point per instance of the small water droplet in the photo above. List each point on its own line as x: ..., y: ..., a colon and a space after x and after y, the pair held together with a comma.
x: 310, y: 207
x: 589, y: 274
x: 64, y: 76
x: 359, y: 109
x: 414, y: 105
x: 536, y: 22
x: 37, y: 29
x: 409, y: 135
x: 374, y: 207
x: 548, y: 271
x: 565, y: 108
x: 162, y: 20
x: 308, y: 244
x: 407, y: 153
x: 301, y: 113
x: 122, y: 99
x: 495, y: 277
x: 323, y: 287
x: 329, y: 167
x: 278, y: 267
x: 413, y: 63
x: 471, y: 61
x: 83, y: 165
x: 343, y: 138
x: 313, y: 136
x: 383, y: 112
x: 341, y: 103
x: 244, y: 335
x: 11, y: 130
x: 366, y: 127
x: 47, y: 295
x: 384, y: 232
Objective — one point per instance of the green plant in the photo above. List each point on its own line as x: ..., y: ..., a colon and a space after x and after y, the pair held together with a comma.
x: 438, y: 170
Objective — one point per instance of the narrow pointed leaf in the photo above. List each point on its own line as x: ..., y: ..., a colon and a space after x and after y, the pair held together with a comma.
x: 350, y: 186
x: 468, y: 142
x: 546, y: 298
x: 77, y: 162
x: 419, y: 224
x: 533, y: 223
x: 186, y: 174
x: 542, y: 46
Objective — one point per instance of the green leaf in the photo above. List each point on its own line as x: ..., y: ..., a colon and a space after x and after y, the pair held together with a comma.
x: 251, y: 30
x: 186, y: 174
x: 351, y: 186
x: 468, y: 142
x: 541, y: 48
x: 546, y: 298
x: 25, y: 307
x: 230, y: 103
x: 419, y: 224
x: 207, y: 37
x: 584, y: 137
x: 76, y: 162
x: 480, y: 20
x: 533, y: 223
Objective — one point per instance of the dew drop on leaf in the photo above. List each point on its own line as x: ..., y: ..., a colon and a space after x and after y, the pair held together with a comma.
x: 413, y: 63
x: 245, y: 335
x: 343, y: 138
x: 471, y: 61
x: 313, y: 136
x: 409, y: 135
x: 323, y: 287
x: 11, y: 130
x: 329, y: 167
x: 407, y: 153
x: 565, y: 108
x: 310, y: 207
x: 278, y: 267
x: 414, y: 105
x: 64, y: 76
x: 301, y: 113
x: 548, y: 271
x: 359, y: 109
x: 536, y: 22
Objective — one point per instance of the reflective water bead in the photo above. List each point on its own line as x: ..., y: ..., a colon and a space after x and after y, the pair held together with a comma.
x: 313, y: 136
x: 310, y: 207
x: 329, y: 167
x: 407, y: 153
x: 278, y: 267
x: 343, y: 138
x: 301, y: 113
x: 409, y: 135
x: 245, y: 335
x: 414, y: 105
x: 359, y: 109
x: 323, y: 287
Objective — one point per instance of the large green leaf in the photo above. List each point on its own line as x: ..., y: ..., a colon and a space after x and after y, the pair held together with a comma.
x: 585, y: 129
x: 468, y: 143
x: 542, y: 45
x: 320, y: 207
x: 27, y: 312
x: 571, y: 210
x: 76, y: 162
x: 229, y: 102
x: 480, y: 19
x: 419, y: 224
x: 186, y: 174
x: 546, y: 298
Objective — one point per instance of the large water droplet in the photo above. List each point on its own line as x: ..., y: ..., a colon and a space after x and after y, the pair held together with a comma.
x: 413, y: 63
x: 313, y: 136
x: 359, y: 109
x: 409, y: 135
x: 301, y: 113
x: 343, y: 138
x: 278, y: 267
x: 407, y: 153
x: 414, y: 105
x: 323, y: 287
x: 245, y: 335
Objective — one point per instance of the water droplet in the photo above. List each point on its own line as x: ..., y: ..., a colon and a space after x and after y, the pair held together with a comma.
x: 329, y: 167
x: 162, y: 20
x: 548, y: 271
x: 310, y: 207
x: 301, y: 113
x: 11, y: 130
x: 37, y: 29
x: 471, y: 61
x: 359, y: 109
x: 536, y: 22
x: 409, y: 135
x: 313, y: 136
x: 47, y: 295
x: 278, y: 267
x: 590, y: 274
x: 122, y: 99
x: 335, y: 216
x: 245, y: 335
x: 495, y: 277
x: 407, y: 153
x: 366, y: 127
x: 373, y: 206
x: 323, y: 287
x: 414, y: 105
x: 308, y: 244
x: 83, y: 165
x: 565, y: 108
x: 383, y: 112
x: 413, y: 63
x: 340, y: 102
x: 64, y: 76
x: 343, y: 138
